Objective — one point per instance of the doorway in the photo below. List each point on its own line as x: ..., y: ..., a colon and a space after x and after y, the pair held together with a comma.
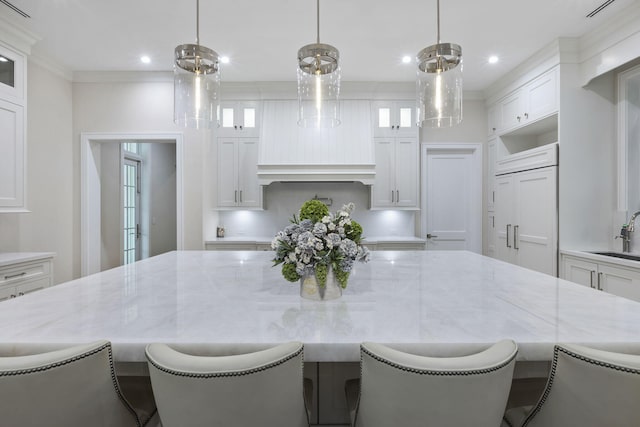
x: 94, y: 178
x: 452, y: 196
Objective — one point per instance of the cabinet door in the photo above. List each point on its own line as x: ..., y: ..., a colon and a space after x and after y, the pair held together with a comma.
x: 504, y: 220
x: 491, y: 171
x: 580, y: 271
x: 619, y: 281
x: 541, y: 96
x: 512, y: 110
x: 405, y: 118
x: 227, y: 172
x: 536, y: 213
x: 383, y: 190
x: 406, y: 172
x: 249, y: 194
x: 12, y: 157
x: 239, y: 118
x: 491, y: 235
x: 493, y: 120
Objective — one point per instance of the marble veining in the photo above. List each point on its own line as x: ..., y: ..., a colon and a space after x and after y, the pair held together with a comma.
x: 441, y: 302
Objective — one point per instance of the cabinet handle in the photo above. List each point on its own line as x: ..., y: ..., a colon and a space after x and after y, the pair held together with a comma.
x: 20, y: 294
x: 508, y: 228
x: 240, y: 127
x: 392, y: 196
x: 518, y: 117
x: 397, y: 196
x: 593, y: 272
x: 235, y: 127
x: 235, y: 196
x: 12, y: 296
x: 13, y: 276
x: 526, y: 115
x: 240, y: 196
x: 600, y: 281
x: 515, y: 237
x: 393, y: 126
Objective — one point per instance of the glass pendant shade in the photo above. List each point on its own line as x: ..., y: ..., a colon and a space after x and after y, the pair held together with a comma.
x: 439, y: 86
x: 318, y: 86
x: 196, y: 85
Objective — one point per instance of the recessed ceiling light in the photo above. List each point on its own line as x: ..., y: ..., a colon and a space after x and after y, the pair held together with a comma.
x: 224, y: 59
x: 493, y: 59
x: 406, y: 59
x: 145, y: 59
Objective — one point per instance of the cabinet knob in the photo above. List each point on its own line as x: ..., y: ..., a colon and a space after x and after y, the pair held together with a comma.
x: 518, y: 117
x: 21, y: 294
x: 240, y: 127
x: 12, y: 296
x: 235, y: 127
x: 526, y: 115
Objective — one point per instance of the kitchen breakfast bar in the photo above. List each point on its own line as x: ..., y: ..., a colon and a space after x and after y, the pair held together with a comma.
x: 445, y: 302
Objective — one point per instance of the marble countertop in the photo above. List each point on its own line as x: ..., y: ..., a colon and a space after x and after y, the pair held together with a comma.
x: 9, y: 258
x: 447, y: 302
x: 267, y: 239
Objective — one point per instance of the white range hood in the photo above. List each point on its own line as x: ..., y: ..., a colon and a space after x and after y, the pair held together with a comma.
x: 289, y: 153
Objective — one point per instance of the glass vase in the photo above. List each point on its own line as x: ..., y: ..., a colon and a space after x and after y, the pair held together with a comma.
x: 311, y: 289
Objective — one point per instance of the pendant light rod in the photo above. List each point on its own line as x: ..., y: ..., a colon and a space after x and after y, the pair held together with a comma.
x: 198, y: 22
x: 438, y: 14
x: 318, y: 21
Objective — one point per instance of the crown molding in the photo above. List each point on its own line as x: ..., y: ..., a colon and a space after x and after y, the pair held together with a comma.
x: 16, y: 36
x: 50, y: 65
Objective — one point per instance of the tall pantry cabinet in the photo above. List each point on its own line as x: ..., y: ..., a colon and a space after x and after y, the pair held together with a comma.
x: 522, y: 174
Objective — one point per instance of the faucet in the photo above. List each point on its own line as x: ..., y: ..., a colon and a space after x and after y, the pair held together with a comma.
x: 625, y: 232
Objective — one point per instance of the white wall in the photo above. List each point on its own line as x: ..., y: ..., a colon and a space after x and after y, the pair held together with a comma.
x: 143, y: 107
x: 51, y: 180
x: 110, y: 205
x: 161, y: 218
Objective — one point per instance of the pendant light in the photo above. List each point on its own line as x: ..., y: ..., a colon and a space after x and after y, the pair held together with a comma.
x: 196, y: 83
x: 318, y: 83
x: 439, y: 84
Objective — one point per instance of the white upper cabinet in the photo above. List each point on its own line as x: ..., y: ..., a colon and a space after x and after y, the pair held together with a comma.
x: 529, y: 103
x: 396, y: 182
x: 12, y: 131
x: 237, y: 173
x: 394, y: 118
x: 239, y: 118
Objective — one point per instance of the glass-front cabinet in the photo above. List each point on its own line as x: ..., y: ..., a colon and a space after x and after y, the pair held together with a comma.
x: 394, y: 118
x: 240, y: 119
x: 12, y: 129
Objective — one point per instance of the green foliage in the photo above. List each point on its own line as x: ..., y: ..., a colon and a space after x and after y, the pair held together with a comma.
x: 321, y: 274
x: 289, y: 272
x: 353, y: 231
x: 342, y: 277
x: 313, y: 210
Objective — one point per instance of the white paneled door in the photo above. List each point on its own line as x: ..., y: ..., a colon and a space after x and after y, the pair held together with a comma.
x: 452, y: 196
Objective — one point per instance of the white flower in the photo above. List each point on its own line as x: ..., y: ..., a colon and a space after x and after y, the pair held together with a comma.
x: 326, y: 219
x: 331, y: 226
x: 292, y: 257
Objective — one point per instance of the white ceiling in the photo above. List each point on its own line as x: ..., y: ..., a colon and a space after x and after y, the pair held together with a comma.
x: 262, y: 37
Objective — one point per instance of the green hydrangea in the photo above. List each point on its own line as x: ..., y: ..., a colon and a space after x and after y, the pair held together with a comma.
x: 314, y: 210
x: 353, y: 231
x: 342, y: 277
x: 321, y: 274
x: 289, y: 272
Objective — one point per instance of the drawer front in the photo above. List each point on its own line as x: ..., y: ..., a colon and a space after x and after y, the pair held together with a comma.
x: 18, y: 273
x: 14, y: 291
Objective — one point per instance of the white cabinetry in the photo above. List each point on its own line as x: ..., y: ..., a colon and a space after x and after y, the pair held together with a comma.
x: 239, y: 118
x: 12, y: 128
x: 394, y: 118
x: 22, y: 277
x: 528, y: 104
x: 526, y: 218
x: 396, y: 182
x: 237, y: 173
x: 608, y: 277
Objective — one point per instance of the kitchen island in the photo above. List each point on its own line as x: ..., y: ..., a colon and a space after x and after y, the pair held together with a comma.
x: 446, y: 302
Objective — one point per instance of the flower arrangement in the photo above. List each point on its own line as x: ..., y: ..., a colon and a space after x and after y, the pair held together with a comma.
x: 317, y: 240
